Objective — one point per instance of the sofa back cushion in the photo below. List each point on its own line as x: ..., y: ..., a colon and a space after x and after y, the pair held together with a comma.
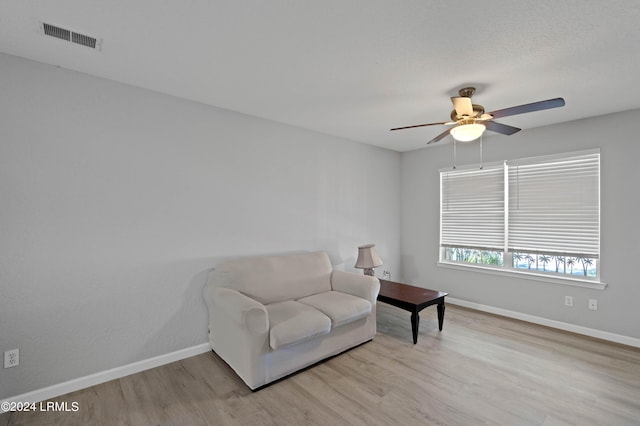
x: 270, y: 279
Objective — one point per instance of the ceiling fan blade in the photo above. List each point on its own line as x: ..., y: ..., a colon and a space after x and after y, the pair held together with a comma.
x: 439, y: 137
x: 422, y: 125
x: 463, y: 106
x: 503, y: 129
x: 535, y: 106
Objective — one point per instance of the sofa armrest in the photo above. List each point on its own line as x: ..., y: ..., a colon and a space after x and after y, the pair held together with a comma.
x: 364, y: 286
x: 240, y: 308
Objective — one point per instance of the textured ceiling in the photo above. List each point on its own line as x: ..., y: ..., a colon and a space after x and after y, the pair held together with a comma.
x: 351, y: 68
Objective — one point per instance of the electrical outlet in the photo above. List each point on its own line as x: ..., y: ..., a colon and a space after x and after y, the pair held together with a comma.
x: 568, y: 301
x: 386, y: 274
x: 12, y: 358
x: 593, y: 304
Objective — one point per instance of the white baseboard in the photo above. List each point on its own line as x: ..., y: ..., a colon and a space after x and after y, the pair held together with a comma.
x: 591, y: 332
x: 105, y: 376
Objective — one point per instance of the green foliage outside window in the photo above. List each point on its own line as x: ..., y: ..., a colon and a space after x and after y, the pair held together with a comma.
x: 468, y: 255
x: 565, y: 265
x: 581, y: 266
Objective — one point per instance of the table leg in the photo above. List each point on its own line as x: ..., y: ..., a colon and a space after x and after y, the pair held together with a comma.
x: 440, y: 314
x: 415, y: 323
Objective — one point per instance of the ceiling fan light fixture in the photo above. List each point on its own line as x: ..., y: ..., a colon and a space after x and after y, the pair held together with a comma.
x: 468, y: 132
x: 468, y: 117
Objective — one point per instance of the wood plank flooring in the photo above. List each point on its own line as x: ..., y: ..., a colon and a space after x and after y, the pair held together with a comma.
x: 481, y: 369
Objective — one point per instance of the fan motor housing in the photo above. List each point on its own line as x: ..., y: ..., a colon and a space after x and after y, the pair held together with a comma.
x: 478, y: 110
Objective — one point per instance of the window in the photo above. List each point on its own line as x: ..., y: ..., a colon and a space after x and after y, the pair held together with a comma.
x: 536, y: 215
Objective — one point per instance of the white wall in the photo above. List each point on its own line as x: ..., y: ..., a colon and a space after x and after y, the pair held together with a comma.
x: 115, y: 201
x: 616, y: 136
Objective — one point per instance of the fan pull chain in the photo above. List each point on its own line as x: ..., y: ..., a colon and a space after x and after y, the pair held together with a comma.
x: 481, y: 165
x: 454, y: 154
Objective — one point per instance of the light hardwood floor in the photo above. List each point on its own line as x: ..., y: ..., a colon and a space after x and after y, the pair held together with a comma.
x: 481, y: 369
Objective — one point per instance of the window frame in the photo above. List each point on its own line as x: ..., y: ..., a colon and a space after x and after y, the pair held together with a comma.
x: 507, y: 268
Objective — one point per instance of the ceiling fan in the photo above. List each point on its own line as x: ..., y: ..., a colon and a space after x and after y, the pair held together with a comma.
x: 471, y: 121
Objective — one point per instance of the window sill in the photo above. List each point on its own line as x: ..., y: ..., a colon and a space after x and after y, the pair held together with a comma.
x: 576, y: 282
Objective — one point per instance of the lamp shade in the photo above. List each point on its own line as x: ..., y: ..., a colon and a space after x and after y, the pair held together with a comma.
x: 467, y: 132
x: 368, y: 257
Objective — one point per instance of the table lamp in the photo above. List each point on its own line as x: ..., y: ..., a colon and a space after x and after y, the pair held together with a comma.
x: 368, y: 259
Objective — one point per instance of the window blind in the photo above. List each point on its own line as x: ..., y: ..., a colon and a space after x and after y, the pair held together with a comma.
x: 472, y: 208
x: 554, y: 205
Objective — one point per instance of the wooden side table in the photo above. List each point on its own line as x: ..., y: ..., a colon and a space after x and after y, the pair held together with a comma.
x: 412, y: 299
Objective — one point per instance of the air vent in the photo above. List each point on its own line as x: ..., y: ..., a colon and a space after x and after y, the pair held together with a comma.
x: 53, y: 31
x: 84, y: 40
x: 71, y: 36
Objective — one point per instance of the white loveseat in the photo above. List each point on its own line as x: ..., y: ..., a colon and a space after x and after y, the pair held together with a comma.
x: 270, y: 316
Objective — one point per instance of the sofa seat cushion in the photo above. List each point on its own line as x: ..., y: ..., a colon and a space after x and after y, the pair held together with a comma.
x: 342, y: 308
x: 291, y: 322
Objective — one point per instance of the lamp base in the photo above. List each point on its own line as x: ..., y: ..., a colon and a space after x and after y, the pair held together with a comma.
x: 369, y: 271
